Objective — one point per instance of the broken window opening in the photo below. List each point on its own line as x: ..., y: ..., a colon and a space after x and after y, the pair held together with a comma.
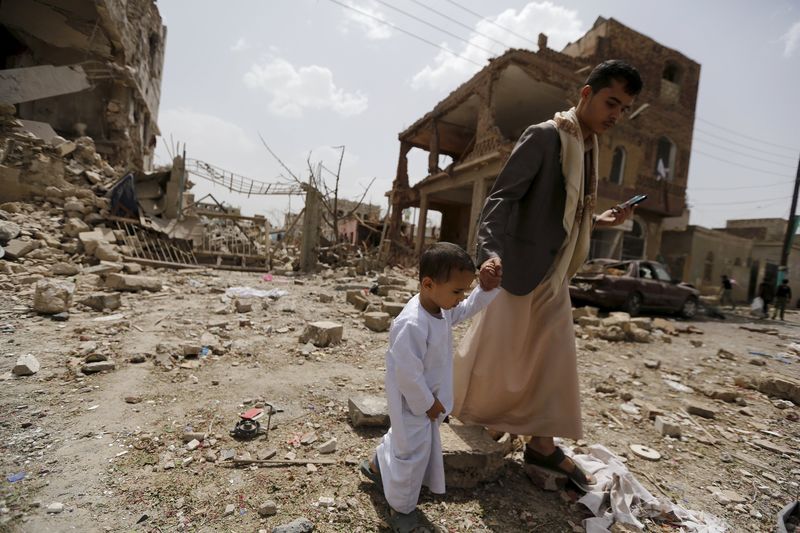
x: 665, y: 159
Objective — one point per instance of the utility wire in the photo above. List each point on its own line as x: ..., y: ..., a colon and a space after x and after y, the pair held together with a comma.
x: 435, y: 27
x: 512, y: 32
x: 742, y: 203
x: 777, y: 183
x: 721, y: 147
x: 743, y: 145
x: 454, y: 21
x: 410, y: 34
x: 794, y: 149
x: 738, y: 165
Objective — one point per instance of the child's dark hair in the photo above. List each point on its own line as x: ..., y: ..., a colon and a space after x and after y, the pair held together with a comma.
x: 615, y: 69
x: 440, y: 259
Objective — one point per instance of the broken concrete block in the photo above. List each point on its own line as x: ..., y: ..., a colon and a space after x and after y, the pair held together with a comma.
x: 722, y: 353
x: 73, y: 205
x: 782, y: 387
x: 51, y: 296
x: 544, y: 478
x: 190, y: 349
x: 103, y: 300
x: 700, y: 409
x: 583, y: 312
x: 105, y: 267
x: 368, y: 411
x: 8, y: 231
x: 471, y: 456
x: 65, y: 269
x: 132, y: 268
x: 636, y: 334
x: 592, y: 321
x: 27, y: 365
x: 99, y: 366
x: 90, y: 240
x: 125, y: 282
x: 392, y: 308
x: 107, y: 252
x: 612, y: 333
x: 325, y: 298
x: 357, y: 299
x: 726, y: 395
x: 329, y: 446
x: 243, y: 306
x: 268, y: 508
x: 643, y: 322
x: 322, y: 333
x: 377, y: 321
x: 668, y: 426
x: 651, y: 411
x: 75, y: 226
x: 665, y: 325
x: 300, y: 525
x: 17, y: 248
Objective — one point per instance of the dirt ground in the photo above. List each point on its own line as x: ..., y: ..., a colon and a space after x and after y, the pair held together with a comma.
x: 79, y: 442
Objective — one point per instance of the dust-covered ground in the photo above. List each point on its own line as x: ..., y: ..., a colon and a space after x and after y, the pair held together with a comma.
x: 109, y: 446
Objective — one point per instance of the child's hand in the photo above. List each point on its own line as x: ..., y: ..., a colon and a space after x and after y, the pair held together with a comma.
x: 491, y: 274
x: 436, y: 408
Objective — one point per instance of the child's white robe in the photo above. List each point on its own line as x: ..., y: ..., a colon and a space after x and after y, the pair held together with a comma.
x: 419, y: 366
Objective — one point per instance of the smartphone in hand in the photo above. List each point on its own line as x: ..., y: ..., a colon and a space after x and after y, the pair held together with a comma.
x: 639, y: 198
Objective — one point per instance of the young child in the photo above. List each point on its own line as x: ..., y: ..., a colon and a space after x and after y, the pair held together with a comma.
x: 419, y: 377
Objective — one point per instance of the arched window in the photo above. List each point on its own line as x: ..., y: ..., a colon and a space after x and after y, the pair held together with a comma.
x: 665, y: 159
x: 618, y: 166
x: 633, y: 242
x: 708, y: 267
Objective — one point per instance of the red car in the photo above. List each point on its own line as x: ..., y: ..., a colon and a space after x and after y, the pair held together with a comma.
x: 633, y: 286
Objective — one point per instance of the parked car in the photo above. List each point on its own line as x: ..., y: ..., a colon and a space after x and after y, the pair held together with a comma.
x: 633, y: 286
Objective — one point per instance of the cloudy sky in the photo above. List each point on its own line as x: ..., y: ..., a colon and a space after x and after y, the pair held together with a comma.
x: 313, y: 75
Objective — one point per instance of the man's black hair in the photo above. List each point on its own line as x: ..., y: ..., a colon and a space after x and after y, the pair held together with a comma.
x: 440, y: 259
x: 615, y: 69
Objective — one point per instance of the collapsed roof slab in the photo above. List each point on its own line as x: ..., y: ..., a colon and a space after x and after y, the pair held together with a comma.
x: 26, y: 84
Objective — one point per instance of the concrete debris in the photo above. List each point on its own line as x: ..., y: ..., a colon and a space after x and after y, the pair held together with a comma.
x: 471, y: 456
x: 701, y: 410
x: 328, y: 446
x: 18, y: 248
x: 581, y: 312
x: 101, y: 301
x: 783, y: 387
x: 668, y: 426
x: 300, y: 525
x: 99, y: 366
x: 27, y: 365
x: 368, y: 411
x: 132, y: 283
x: 322, y: 334
x: 52, y: 296
x: 378, y: 322
x: 268, y: 508
x: 8, y: 231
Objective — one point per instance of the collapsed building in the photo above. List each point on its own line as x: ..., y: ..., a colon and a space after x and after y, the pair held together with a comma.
x: 86, y: 68
x: 477, y: 125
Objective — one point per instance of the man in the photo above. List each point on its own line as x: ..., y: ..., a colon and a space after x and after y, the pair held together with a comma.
x: 782, y: 296
x: 766, y: 291
x: 516, y: 368
x: 727, y: 292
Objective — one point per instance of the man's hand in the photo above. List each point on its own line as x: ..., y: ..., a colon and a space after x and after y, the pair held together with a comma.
x: 435, y: 410
x: 491, y: 274
x: 614, y: 216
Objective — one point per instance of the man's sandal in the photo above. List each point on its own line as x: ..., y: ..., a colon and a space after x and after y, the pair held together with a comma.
x: 553, y: 462
x: 407, y: 522
x: 375, y: 477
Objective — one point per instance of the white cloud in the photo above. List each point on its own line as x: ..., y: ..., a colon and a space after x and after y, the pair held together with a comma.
x: 364, y: 21
x: 207, y: 137
x: 791, y: 40
x: 292, y: 90
x: 561, y: 26
x: 240, y: 46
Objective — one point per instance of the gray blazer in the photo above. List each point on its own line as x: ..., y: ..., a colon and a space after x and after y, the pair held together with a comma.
x: 521, y: 221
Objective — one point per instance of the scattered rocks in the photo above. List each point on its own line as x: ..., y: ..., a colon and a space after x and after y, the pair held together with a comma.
x: 583, y: 312
x: 100, y: 366
x: 18, y: 248
x: 668, y: 426
x: 101, y: 301
x: 8, y: 231
x: 722, y: 353
x: 782, y: 387
x: 55, y: 508
x: 471, y: 456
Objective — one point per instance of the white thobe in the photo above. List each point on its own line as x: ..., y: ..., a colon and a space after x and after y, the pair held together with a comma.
x: 419, y: 366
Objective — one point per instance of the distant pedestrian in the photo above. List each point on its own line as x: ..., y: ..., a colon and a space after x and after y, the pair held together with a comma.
x: 782, y: 296
x: 766, y: 291
x: 727, y: 292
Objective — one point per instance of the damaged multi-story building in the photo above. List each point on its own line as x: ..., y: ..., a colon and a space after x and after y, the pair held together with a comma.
x: 478, y: 124
x: 86, y: 68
